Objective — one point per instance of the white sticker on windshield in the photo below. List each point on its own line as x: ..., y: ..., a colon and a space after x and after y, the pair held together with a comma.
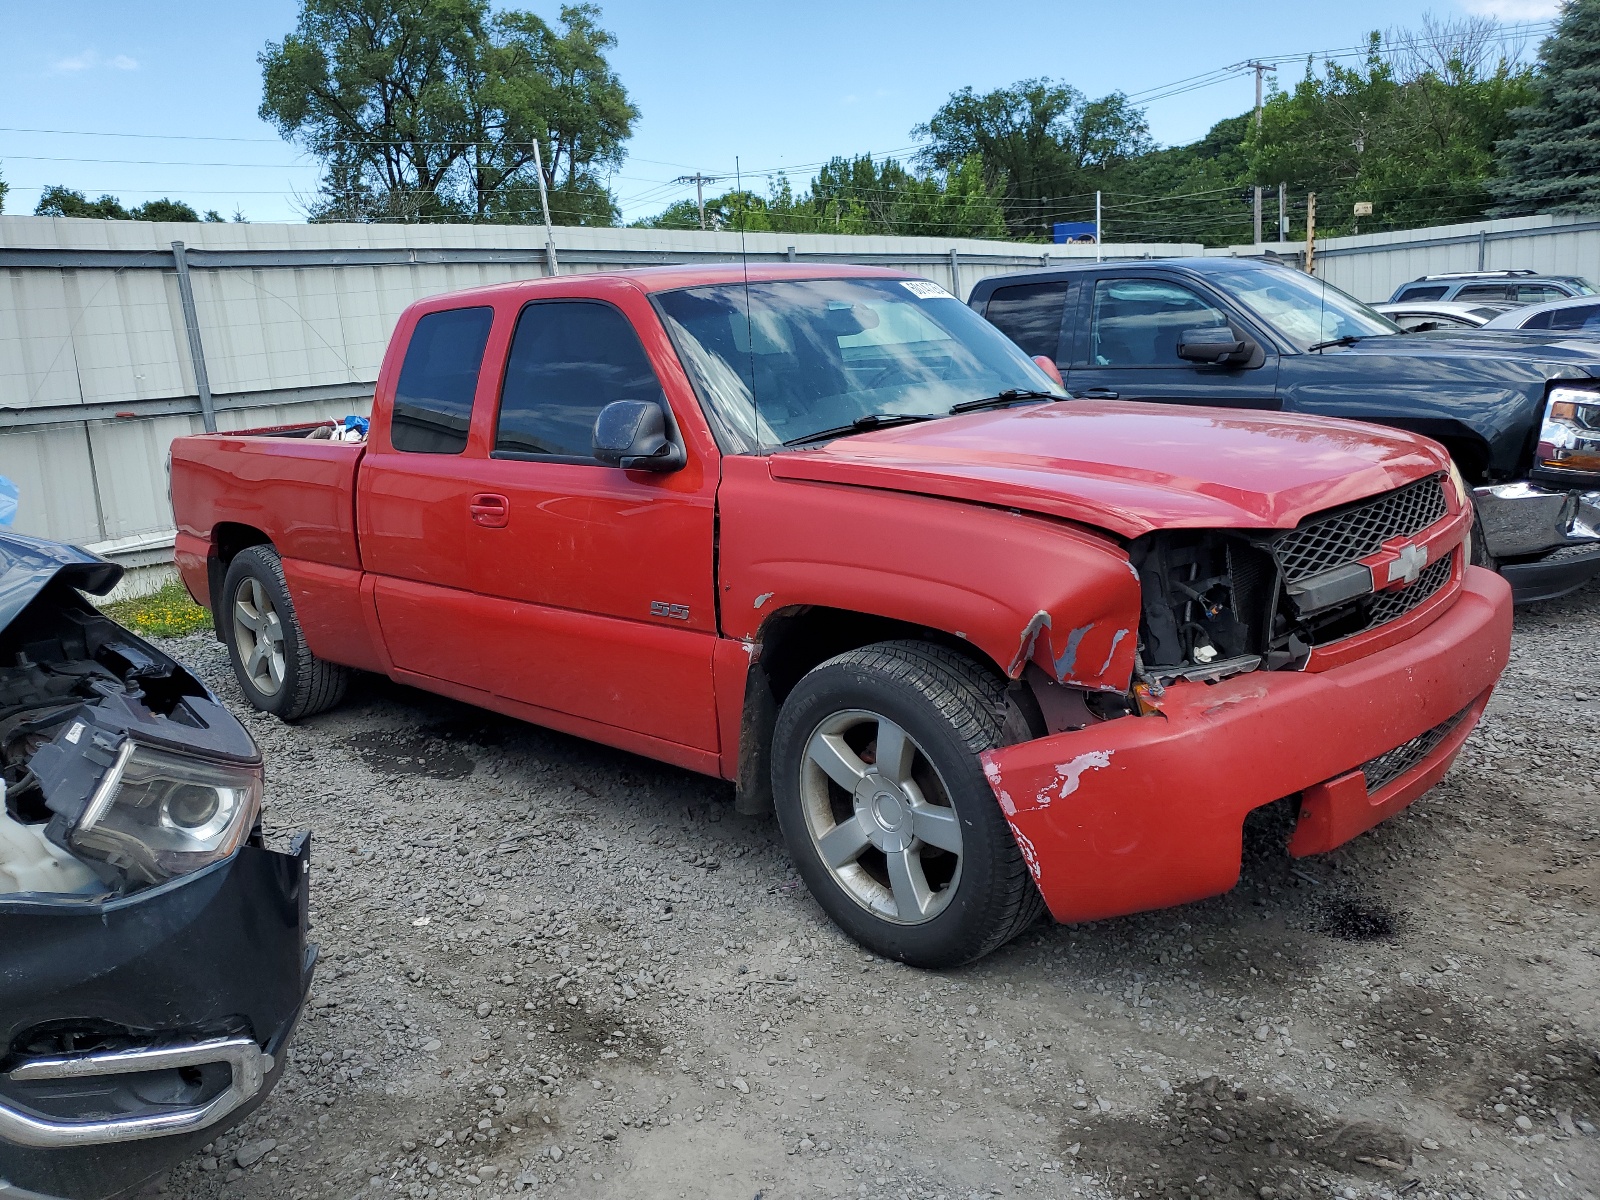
x: 924, y: 289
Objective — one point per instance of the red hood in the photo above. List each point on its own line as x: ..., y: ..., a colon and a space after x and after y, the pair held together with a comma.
x: 1131, y: 468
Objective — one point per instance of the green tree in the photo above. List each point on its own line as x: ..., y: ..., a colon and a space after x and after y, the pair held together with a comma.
x: 1551, y: 162
x: 58, y: 201
x: 1412, y: 132
x: 858, y: 196
x: 432, y: 108
x: 1038, y: 140
x: 3, y: 190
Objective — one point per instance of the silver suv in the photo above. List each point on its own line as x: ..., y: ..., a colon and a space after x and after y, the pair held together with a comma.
x: 1478, y: 287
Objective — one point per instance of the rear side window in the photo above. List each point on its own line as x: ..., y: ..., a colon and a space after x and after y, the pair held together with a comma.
x: 1576, y: 317
x: 1484, y: 291
x: 1538, y: 321
x: 1030, y: 315
x: 1414, y: 294
x: 433, y: 402
x: 569, y: 359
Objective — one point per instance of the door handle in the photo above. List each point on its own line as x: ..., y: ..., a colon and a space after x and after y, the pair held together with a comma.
x: 489, y: 511
x: 1097, y: 393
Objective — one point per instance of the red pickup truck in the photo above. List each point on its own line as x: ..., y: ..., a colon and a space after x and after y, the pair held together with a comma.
x: 829, y: 535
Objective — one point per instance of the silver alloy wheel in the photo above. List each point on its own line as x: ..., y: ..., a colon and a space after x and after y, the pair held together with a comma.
x: 879, y: 815
x: 258, y: 636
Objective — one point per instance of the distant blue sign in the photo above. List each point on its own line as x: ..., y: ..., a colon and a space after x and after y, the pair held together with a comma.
x: 1076, y: 231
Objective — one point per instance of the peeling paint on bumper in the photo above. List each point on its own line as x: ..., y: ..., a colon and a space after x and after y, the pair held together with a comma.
x: 1147, y: 812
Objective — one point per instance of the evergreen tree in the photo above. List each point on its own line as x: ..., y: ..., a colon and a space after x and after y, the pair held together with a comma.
x: 1552, y: 162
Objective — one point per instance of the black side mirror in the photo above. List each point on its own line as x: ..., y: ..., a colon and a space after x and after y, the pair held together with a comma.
x: 632, y: 434
x: 1215, y: 344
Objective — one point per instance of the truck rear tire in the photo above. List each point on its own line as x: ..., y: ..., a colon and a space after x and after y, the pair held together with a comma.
x: 276, y: 670
x: 885, y: 808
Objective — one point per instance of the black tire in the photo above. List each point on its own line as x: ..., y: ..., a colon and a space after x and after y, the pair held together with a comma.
x: 297, y: 683
x: 1480, y: 556
x: 952, y: 708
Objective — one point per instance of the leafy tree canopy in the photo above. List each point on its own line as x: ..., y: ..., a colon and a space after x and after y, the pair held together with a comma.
x: 432, y: 109
x: 58, y: 201
x: 858, y: 196
x: 1413, y: 133
x: 1037, y: 139
x: 1551, y: 160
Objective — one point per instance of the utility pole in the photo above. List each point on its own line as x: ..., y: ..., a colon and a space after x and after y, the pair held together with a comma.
x: 1259, y: 68
x: 700, y: 182
x: 544, y: 203
x: 1283, y: 217
x: 1311, y: 232
x: 1098, y: 241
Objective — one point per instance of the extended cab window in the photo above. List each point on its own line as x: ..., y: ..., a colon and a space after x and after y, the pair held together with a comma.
x: 433, y: 400
x: 1579, y: 316
x: 1137, y: 322
x: 1030, y: 315
x: 569, y: 359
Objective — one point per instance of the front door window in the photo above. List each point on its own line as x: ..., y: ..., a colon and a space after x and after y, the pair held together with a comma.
x: 1139, y: 322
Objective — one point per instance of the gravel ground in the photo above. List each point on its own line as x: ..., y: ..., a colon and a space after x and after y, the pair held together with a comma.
x: 554, y: 968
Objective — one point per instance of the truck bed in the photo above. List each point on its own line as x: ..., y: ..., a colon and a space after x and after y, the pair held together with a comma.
x: 298, y: 490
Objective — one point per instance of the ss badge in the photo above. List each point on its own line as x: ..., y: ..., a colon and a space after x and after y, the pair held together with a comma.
x: 660, y: 608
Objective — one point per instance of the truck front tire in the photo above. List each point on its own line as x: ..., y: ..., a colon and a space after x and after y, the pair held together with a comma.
x: 276, y: 670
x: 885, y: 808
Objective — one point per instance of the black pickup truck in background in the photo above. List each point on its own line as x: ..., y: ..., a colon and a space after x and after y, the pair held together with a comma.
x: 1520, y: 413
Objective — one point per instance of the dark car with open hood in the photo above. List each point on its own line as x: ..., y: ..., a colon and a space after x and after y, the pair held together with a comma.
x: 153, y: 952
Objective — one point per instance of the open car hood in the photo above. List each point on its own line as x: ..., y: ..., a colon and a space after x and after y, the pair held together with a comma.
x: 1129, y: 467
x: 28, y: 565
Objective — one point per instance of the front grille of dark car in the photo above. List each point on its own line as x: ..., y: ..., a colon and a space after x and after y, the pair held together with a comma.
x: 1380, y: 772
x: 1348, y: 534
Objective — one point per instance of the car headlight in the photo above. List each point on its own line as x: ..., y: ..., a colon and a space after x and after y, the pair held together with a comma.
x: 157, y: 814
x: 1569, y: 435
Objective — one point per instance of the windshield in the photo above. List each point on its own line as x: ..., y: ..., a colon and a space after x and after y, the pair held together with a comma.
x: 818, y: 354
x: 1305, y: 309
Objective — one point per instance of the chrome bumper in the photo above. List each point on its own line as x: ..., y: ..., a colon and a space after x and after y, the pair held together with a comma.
x: 248, y: 1067
x: 1523, y: 518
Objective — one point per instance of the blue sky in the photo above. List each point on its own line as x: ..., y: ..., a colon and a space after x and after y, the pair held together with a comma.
x: 773, y: 85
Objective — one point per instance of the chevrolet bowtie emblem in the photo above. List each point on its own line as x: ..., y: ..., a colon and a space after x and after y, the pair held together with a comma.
x: 1408, y: 564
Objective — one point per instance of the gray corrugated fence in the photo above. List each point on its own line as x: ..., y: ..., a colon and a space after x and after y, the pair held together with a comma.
x: 98, y: 345
x: 99, y: 342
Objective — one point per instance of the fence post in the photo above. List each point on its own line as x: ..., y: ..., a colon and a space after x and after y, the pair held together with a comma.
x: 1483, y: 246
x: 955, y: 273
x: 791, y: 255
x: 197, y: 353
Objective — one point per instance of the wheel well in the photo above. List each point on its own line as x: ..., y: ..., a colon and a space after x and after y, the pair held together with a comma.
x: 1471, y: 457
x: 227, y: 539
x: 792, y: 643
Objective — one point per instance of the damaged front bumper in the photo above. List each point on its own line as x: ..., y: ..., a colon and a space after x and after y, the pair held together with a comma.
x: 1546, y: 540
x: 134, y: 1030
x: 1146, y: 812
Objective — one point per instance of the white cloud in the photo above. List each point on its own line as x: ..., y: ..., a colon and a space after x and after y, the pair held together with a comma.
x: 91, y: 60
x: 1513, y: 10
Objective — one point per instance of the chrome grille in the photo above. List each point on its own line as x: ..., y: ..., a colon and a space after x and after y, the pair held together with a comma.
x: 1348, y: 534
x: 1380, y: 772
x: 1386, y: 606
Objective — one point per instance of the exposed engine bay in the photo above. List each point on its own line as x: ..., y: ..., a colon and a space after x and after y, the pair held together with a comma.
x: 118, y: 768
x: 1217, y: 603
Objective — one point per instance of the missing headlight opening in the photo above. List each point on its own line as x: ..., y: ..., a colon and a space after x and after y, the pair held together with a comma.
x: 118, y: 770
x: 1221, y: 602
